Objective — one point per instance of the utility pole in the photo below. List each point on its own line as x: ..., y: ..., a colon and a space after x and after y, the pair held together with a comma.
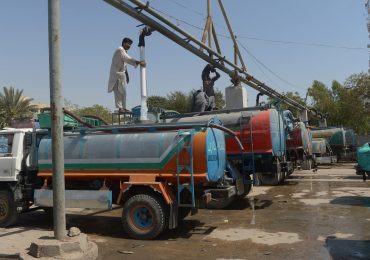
x: 56, y: 105
x: 367, y: 6
x: 210, y: 25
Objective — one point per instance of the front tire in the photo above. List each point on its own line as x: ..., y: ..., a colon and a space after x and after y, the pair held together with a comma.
x: 8, y: 209
x: 144, y: 216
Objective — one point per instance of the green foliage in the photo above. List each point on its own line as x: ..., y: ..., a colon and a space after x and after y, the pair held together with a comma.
x: 345, y: 105
x: 181, y: 102
x: 95, y: 110
x: 157, y: 101
x: 13, y: 106
x: 292, y: 95
x: 220, y: 100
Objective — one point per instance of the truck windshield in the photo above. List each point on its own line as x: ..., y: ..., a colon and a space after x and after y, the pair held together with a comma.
x: 6, y: 144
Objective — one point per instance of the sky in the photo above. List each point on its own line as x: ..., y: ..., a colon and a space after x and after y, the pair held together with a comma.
x: 282, y: 35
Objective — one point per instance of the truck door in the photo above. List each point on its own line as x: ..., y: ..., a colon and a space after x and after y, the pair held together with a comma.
x: 7, y: 158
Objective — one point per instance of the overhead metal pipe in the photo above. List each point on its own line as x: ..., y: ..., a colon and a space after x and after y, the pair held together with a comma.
x: 188, y: 36
x: 246, y: 78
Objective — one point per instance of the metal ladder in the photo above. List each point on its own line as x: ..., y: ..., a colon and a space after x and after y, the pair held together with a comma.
x: 248, y: 156
x: 187, y: 137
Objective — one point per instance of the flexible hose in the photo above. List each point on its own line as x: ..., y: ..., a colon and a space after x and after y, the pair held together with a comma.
x: 230, y: 132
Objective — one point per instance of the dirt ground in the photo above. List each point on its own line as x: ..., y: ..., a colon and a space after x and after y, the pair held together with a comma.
x: 322, y: 215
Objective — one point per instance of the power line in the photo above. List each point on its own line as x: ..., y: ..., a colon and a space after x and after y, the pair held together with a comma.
x: 187, y: 8
x: 267, y: 68
x: 303, y: 43
x: 297, y: 43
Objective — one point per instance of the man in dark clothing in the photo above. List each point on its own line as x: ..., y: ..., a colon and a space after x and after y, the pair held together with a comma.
x: 199, y: 101
x: 208, y: 84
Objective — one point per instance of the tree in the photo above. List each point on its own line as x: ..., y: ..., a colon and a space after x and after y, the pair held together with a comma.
x: 345, y: 105
x: 157, y: 101
x: 220, y: 100
x: 13, y: 105
x: 179, y: 101
x: 95, y: 110
x: 292, y: 95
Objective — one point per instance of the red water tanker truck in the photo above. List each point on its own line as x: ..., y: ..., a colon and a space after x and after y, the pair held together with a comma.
x: 262, y: 133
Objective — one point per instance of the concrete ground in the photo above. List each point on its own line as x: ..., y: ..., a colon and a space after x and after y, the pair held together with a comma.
x: 323, y: 215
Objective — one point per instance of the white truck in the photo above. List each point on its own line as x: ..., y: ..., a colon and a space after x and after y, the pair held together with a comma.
x: 18, y: 173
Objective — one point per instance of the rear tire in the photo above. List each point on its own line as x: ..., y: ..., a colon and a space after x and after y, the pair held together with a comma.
x: 269, y: 179
x: 144, y: 216
x: 8, y: 209
x: 49, y: 212
x: 247, y: 187
x: 183, y: 212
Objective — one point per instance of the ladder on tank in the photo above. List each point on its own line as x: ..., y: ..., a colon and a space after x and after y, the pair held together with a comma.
x: 185, y: 146
x: 246, y: 123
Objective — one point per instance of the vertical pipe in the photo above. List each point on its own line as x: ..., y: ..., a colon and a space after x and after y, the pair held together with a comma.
x: 144, y: 107
x: 56, y: 105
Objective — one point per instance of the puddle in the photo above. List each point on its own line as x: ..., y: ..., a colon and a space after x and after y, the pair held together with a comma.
x: 255, y: 235
x: 351, y: 191
x: 314, y: 202
x: 251, y: 201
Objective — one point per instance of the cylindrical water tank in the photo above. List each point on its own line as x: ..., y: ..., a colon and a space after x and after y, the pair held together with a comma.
x: 300, y: 138
x: 319, y: 146
x: 260, y: 131
x: 94, y: 155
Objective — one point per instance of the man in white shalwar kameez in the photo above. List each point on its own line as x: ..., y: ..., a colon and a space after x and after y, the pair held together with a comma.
x: 118, y: 77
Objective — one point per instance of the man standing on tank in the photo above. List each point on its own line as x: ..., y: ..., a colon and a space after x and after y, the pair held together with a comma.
x: 118, y: 77
x: 208, y: 84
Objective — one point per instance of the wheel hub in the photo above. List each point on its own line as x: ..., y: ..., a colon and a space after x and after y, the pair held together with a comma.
x: 143, y: 217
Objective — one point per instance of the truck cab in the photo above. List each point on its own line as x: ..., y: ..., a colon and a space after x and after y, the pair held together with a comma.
x: 17, y: 172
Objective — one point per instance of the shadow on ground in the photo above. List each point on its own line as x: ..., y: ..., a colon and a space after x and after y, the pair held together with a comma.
x: 352, y: 201
x: 348, y: 249
x: 110, y: 226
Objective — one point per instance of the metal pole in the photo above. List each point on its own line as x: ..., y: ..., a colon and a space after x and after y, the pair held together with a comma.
x: 56, y: 105
x: 146, y: 31
x: 210, y: 24
x: 236, y: 48
x: 144, y: 107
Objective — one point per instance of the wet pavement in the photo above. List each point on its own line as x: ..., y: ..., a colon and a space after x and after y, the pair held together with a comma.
x: 322, y: 215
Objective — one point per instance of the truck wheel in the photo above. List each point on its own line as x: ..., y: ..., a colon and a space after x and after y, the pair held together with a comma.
x: 49, y: 212
x: 270, y: 179
x: 8, y: 210
x: 144, y: 216
x: 183, y: 212
x: 247, y: 187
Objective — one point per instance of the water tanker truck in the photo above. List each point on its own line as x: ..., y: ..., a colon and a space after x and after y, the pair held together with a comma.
x: 261, y: 132
x: 156, y: 172
x: 299, y: 147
